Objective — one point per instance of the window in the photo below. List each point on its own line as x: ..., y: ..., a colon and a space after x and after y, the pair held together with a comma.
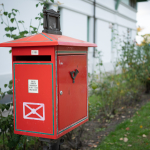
x: 131, y: 3
x: 125, y: 1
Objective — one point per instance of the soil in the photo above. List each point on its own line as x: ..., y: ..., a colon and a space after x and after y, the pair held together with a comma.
x: 96, y: 130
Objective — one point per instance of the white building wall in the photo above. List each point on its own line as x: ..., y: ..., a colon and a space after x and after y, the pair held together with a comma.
x: 5, y: 61
x: 127, y: 11
x: 104, y: 34
x: 134, y: 32
x: 107, y: 3
x: 79, y: 6
x: 122, y: 31
x: 122, y: 37
x: 90, y: 49
x: 27, y: 13
x: 126, y: 23
x: 74, y: 22
x: 105, y: 15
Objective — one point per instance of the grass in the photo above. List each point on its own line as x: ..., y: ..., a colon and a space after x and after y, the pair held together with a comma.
x: 134, y: 130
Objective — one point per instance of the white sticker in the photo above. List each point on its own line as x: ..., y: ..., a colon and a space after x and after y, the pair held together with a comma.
x: 32, y: 86
x: 34, y: 52
x: 30, y: 109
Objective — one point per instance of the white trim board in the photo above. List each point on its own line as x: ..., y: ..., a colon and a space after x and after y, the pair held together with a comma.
x: 113, y: 11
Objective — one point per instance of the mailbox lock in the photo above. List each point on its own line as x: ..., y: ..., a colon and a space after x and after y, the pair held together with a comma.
x: 61, y: 92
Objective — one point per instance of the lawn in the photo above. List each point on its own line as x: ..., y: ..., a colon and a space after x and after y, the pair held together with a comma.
x: 131, y: 134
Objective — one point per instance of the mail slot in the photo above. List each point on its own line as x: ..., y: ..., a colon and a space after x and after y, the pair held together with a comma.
x: 49, y: 74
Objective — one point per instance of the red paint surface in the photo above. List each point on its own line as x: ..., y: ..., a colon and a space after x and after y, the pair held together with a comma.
x: 45, y: 39
x: 42, y: 73
x: 72, y: 104
x: 71, y: 48
x: 26, y: 51
x: 70, y: 129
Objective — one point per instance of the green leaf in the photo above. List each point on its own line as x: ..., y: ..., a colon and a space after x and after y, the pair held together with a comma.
x: 17, y: 37
x: 12, y: 28
x: 7, y: 29
x: 10, y: 82
x: 101, y: 64
x: 3, y: 94
x: 7, y: 106
x: 5, y: 13
x: 42, y: 4
x: 2, y: 107
x: 41, y: 14
x: 15, y: 10
x: 20, y: 21
x: 9, y: 15
x: 10, y: 51
x: 34, y: 28
x: 25, y: 32
x: 10, y: 86
x: 13, y: 13
x: 52, y: 1
x: 10, y: 92
x: 33, y: 32
x: 37, y: 5
x: 13, y: 36
x: 0, y: 90
x: 1, y: 22
x: 38, y: 18
x: 12, y: 20
x: 8, y: 35
x: 22, y: 34
x: 5, y: 85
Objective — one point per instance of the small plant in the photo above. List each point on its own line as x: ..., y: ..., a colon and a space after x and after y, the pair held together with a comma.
x: 99, y: 129
x: 115, y: 90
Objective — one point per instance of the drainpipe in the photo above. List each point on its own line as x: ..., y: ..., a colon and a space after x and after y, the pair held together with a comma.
x: 94, y: 4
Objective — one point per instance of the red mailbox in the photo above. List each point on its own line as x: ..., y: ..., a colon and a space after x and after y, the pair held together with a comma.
x: 49, y: 84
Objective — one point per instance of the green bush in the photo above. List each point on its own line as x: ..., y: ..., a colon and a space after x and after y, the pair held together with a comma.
x: 114, y: 90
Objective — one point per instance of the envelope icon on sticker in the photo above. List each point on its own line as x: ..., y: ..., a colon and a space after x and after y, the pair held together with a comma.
x: 34, y: 111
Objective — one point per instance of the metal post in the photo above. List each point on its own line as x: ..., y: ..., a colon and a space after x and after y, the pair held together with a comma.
x: 52, y: 144
x: 94, y: 4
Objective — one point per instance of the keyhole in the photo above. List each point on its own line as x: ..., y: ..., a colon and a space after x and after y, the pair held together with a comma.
x: 61, y: 92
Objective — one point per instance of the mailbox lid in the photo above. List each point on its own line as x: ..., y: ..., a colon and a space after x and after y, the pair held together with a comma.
x: 72, y: 104
x: 45, y: 39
